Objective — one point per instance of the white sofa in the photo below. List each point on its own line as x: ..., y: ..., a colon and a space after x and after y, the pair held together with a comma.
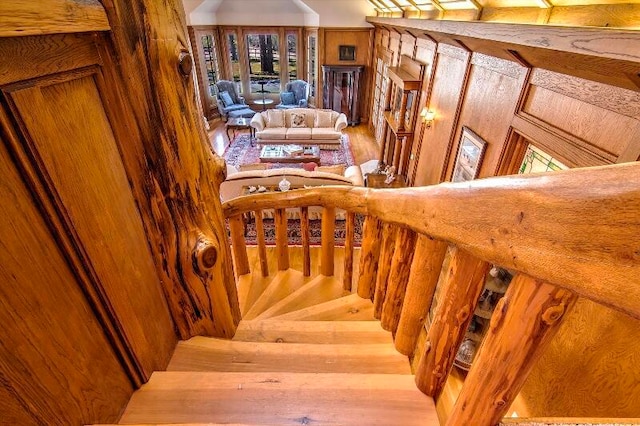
x: 236, y: 183
x: 269, y: 128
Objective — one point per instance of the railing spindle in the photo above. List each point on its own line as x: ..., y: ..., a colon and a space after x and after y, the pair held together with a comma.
x: 388, y: 245
x: 304, y: 230
x: 236, y: 226
x: 522, y: 326
x: 369, y: 254
x: 349, y: 239
x: 425, y: 271
x: 282, y: 240
x: 328, y: 240
x: 460, y: 293
x: 262, y: 246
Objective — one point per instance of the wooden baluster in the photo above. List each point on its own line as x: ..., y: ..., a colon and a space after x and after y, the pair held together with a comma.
x: 461, y: 290
x: 389, y: 233
x: 398, y: 278
x: 262, y: 246
x: 521, y: 328
x: 425, y: 271
x: 236, y: 226
x: 349, y: 239
x: 328, y: 240
x: 282, y: 240
x: 369, y: 254
x: 304, y: 229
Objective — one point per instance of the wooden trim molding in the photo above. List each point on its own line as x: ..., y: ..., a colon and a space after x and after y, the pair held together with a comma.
x: 23, y: 18
x: 501, y: 66
x: 453, y: 51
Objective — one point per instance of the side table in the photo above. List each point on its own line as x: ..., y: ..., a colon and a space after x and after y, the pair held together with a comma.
x: 239, y: 123
x: 376, y: 180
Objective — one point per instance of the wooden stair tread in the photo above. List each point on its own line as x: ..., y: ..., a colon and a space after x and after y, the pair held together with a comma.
x: 280, y: 399
x: 283, y: 284
x: 319, y: 290
x: 320, y: 332
x: 210, y: 354
x: 347, y: 308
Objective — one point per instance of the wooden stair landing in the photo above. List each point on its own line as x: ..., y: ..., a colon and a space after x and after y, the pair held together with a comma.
x: 306, y: 353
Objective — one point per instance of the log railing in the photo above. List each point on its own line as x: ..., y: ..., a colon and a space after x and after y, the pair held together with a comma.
x: 566, y: 234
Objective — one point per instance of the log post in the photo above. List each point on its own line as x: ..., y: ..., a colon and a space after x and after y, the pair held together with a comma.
x: 398, y: 278
x: 174, y: 175
x: 236, y: 226
x: 262, y: 245
x: 521, y: 328
x: 328, y: 241
x: 349, y: 239
x: 460, y: 293
x: 282, y: 239
x: 369, y: 254
x: 304, y: 230
x: 387, y: 246
x: 425, y: 271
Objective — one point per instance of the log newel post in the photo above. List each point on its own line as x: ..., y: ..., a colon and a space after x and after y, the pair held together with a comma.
x: 369, y: 256
x: 461, y: 289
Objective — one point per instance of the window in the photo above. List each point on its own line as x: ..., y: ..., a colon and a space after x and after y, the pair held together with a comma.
x: 264, y: 63
x: 292, y: 56
x: 537, y: 161
x: 311, y: 64
x: 210, y: 60
x: 234, y: 60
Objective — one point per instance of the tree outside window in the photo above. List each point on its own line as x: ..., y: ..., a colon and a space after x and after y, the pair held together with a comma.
x: 264, y: 63
x: 232, y: 41
x: 292, y: 56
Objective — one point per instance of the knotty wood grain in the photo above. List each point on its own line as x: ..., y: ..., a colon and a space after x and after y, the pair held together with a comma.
x: 460, y: 293
x: 398, y: 278
x: 532, y: 311
x: 423, y: 278
x: 369, y: 255
x: 387, y: 248
x: 22, y: 18
x: 349, y: 240
x: 328, y: 241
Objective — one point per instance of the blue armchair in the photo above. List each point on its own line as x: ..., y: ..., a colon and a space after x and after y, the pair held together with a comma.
x: 228, y: 99
x: 295, y: 95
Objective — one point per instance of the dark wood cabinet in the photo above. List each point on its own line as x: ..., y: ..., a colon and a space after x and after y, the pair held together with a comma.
x: 341, y: 90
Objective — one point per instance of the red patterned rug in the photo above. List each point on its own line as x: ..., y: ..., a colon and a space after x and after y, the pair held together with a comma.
x: 240, y: 152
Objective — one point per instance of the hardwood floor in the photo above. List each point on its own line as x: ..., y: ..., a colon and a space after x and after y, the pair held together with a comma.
x: 363, y: 145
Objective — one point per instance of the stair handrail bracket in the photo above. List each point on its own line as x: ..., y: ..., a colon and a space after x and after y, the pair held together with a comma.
x: 577, y: 229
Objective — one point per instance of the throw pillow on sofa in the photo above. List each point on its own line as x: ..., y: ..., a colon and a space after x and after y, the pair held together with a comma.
x: 226, y: 98
x: 275, y: 118
x: 323, y: 119
x: 288, y: 98
x: 298, y: 119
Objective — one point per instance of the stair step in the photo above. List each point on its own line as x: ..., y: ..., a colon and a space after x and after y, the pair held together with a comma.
x: 319, y: 290
x: 210, y: 354
x: 347, y: 308
x: 280, y: 399
x: 283, y: 284
x: 250, y: 287
x: 322, y: 332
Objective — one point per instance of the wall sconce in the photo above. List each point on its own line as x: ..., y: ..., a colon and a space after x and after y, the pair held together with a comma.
x: 427, y: 116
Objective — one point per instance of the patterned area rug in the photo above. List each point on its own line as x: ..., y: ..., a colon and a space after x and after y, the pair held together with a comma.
x: 240, y: 152
x: 295, y: 237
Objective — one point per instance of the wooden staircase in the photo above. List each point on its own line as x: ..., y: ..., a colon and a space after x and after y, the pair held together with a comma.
x: 306, y: 352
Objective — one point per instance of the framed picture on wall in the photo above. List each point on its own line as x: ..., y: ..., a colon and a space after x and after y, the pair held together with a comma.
x: 469, y: 159
x: 347, y: 53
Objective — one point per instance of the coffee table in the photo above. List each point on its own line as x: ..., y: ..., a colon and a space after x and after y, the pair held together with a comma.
x: 239, y: 123
x: 277, y: 154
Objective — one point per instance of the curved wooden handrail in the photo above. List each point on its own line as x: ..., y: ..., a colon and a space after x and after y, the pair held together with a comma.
x: 577, y: 229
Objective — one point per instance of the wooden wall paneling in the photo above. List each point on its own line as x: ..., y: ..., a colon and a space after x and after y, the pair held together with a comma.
x: 407, y: 45
x: 597, y: 15
x: 516, y: 15
x: 170, y: 165
x: 56, y: 364
x: 449, y: 78
x: 22, y: 18
x: 602, y: 131
x: 394, y: 46
x: 75, y: 148
x: 490, y: 99
x: 385, y: 37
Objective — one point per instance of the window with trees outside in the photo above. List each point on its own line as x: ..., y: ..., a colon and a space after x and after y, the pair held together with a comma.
x: 264, y: 63
x: 210, y: 55
x: 292, y: 56
x: 311, y: 64
x: 234, y: 60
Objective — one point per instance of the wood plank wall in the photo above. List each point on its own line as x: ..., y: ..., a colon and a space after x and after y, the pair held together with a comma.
x: 591, y: 368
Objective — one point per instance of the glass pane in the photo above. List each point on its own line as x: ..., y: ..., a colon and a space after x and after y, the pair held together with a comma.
x: 264, y: 63
x: 537, y: 161
x: 311, y: 64
x: 232, y: 40
x: 292, y: 54
x: 210, y: 60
